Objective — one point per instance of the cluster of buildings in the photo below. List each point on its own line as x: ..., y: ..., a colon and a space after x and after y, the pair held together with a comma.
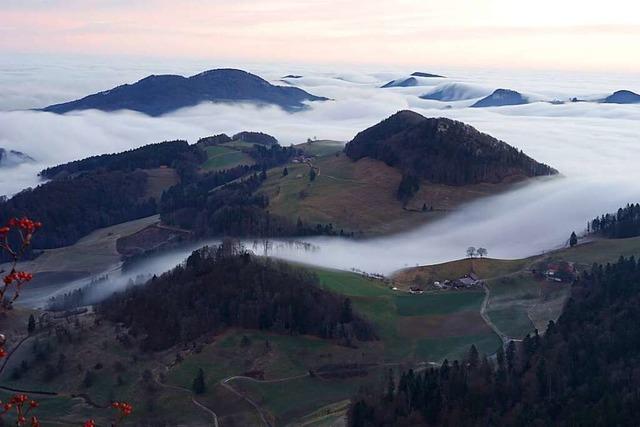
x: 302, y: 158
x: 468, y: 281
x: 560, y: 272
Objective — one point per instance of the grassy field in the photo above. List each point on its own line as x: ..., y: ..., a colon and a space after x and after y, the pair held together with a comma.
x: 483, y: 267
x: 411, y: 325
x: 322, y: 148
x: 600, y: 251
x: 289, y: 401
x: 225, y: 157
x: 159, y: 180
x: 520, y: 303
x: 358, y: 196
x: 117, y: 371
x: 91, y: 253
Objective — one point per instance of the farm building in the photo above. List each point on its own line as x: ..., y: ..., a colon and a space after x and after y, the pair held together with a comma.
x: 560, y: 272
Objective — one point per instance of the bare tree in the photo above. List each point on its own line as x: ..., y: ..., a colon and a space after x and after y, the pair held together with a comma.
x: 482, y: 252
x: 471, y: 251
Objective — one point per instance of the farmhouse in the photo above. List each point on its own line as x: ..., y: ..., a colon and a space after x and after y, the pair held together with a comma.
x: 560, y: 272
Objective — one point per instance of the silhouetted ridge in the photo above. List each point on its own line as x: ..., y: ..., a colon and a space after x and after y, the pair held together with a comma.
x: 623, y: 97
x: 159, y: 94
x: 501, y: 97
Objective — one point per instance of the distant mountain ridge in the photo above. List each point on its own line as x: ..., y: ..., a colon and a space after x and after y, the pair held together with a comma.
x: 443, y: 151
x: 408, y: 82
x: 622, y: 97
x: 160, y: 94
x: 429, y: 75
x: 501, y: 97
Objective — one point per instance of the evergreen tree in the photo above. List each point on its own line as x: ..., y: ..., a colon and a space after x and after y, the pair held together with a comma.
x: 285, y: 172
x: 312, y: 175
x: 199, y: 386
x: 347, y: 311
x: 573, y: 240
x: 31, y: 326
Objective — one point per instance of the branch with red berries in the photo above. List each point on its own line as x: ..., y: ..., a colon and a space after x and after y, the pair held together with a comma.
x: 22, y: 405
x: 123, y: 410
x: 25, y: 229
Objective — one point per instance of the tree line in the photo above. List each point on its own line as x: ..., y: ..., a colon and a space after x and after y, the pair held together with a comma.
x: 146, y: 157
x: 581, y: 372
x: 74, y: 207
x: 622, y: 224
x: 226, y: 286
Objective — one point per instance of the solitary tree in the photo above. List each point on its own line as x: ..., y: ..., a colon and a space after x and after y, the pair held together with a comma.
x: 285, y: 172
x: 471, y: 251
x: 199, y: 386
x: 482, y: 252
x: 573, y: 240
x: 312, y: 174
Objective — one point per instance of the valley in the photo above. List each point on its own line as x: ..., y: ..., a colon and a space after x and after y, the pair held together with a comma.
x: 290, y: 379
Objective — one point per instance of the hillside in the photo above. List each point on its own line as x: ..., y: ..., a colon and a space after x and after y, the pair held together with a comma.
x: 359, y: 197
x: 290, y: 378
x: 577, y: 373
x: 226, y: 286
x: 443, y: 151
x: 160, y: 94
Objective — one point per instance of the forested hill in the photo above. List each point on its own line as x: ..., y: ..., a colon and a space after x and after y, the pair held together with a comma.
x: 443, y: 151
x: 149, y: 156
x: 226, y: 286
x: 622, y: 224
x: 72, y: 208
x: 159, y: 94
x: 582, y: 372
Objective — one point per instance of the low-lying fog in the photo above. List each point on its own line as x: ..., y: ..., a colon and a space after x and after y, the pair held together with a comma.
x: 595, y: 146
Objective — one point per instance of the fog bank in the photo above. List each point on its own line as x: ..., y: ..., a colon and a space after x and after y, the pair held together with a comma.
x: 594, y: 146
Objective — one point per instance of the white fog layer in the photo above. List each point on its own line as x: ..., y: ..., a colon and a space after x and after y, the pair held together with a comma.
x: 595, y: 146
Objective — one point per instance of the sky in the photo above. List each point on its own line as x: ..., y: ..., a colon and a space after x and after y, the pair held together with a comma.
x: 545, y: 34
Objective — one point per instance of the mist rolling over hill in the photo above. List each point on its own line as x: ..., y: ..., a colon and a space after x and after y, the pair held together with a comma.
x: 10, y: 158
x: 455, y: 92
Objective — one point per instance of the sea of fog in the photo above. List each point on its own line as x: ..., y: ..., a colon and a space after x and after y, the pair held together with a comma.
x: 595, y: 146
